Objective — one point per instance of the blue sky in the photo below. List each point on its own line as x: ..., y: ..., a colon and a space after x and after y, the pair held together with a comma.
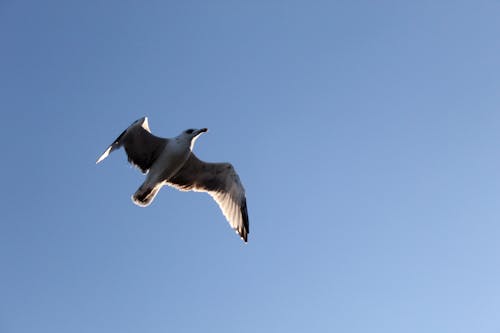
x: 365, y: 132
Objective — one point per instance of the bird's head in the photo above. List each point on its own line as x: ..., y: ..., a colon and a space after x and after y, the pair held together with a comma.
x: 192, y: 134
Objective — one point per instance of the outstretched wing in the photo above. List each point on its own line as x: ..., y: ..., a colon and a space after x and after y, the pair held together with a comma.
x: 221, y: 181
x: 142, y: 147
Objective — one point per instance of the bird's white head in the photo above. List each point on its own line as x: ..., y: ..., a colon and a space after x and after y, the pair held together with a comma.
x: 190, y: 135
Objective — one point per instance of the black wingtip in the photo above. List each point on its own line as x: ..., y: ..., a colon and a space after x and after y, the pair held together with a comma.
x: 246, y: 226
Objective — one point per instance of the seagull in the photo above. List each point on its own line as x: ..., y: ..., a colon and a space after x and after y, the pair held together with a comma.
x: 170, y: 161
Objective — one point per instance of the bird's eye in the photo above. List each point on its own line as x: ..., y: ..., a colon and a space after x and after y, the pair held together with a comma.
x: 190, y: 131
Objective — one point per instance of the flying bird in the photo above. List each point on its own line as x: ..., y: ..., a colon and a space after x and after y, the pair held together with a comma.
x: 170, y: 161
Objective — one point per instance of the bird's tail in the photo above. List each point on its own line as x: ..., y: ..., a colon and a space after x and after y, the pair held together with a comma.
x: 145, y: 195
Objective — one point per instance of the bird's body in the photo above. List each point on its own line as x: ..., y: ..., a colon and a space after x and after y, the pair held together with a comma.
x: 172, y: 162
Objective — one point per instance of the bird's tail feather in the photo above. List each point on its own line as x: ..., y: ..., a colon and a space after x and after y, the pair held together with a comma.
x: 145, y: 195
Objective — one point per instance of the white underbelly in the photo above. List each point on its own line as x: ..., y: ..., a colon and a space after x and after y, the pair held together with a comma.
x: 168, y: 163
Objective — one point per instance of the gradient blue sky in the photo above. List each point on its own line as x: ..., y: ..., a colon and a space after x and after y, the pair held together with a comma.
x: 366, y: 134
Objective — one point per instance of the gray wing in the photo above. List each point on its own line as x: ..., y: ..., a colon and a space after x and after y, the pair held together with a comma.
x: 221, y: 181
x: 142, y: 147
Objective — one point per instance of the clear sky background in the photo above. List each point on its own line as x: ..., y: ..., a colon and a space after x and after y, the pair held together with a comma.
x: 366, y: 134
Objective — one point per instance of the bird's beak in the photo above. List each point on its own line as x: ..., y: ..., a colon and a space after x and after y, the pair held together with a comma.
x: 203, y: 130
